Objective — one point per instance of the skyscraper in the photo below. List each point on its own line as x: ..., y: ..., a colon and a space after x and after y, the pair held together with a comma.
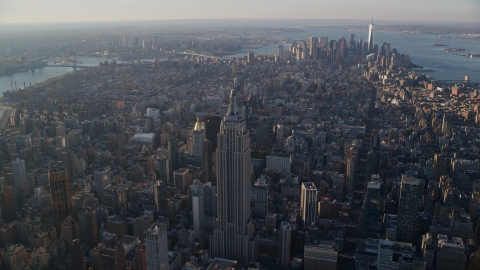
x: 173, y: 155
x: 260, y: 191
x: 308, y: 204
x: 7, y: 204
x: 210, y: 199
x: 324, y: 42
x: 370, y: 37
x: 87, y: 221
x: 407, y: 209
x: 156, y: 245
x: 195, y: 143
x: 446, y: 124
x: 160, y: 193
x: 280, y: 52
x: 312, y: 45
x: 19, y: 173
x: 212, y: 125
x: 285, y: 242
x: 198, y: 207
x: 207, y: 161
x: 233, y: 236
x: 77, y: 256
x: 102, y: 179
x: 182, y: 179
x: 250, y: 56
x: 370, y: 220
x: 59, y: 183
x: 69, y: 231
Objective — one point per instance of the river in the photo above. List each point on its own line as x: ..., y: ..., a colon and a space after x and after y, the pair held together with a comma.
x: 446, y: 65
x: 42, y: 74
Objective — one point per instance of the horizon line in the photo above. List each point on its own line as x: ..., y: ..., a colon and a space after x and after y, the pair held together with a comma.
x: 230, y: 19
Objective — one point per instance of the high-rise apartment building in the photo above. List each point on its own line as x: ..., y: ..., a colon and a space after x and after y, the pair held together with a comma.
x: 87, y: 221
x: 371, y: 211
x: 112, y: 257
x: 407, y: 210
x: 156, y: 246
x: 395, y: 255
x: 160, y: 196
x: 69, y: 231
x: 7, y: 204
x: 281, y: 163
x: 19, y: 174
x: 210, y: 199
x: 233, y: 236
x: 77, y: 257
x: 260, y: 191
x: 103, y: 178
x: 182, y: 179
x: 451, y: 254
x: 59, y: 183
x: 322, y: 255
x: 173, y: 155
x: 308, y: 204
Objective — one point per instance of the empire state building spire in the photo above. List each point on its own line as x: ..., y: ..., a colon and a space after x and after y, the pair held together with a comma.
x: 232, y: 106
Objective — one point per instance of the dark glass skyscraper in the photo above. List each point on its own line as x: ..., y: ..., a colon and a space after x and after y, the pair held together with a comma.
x: 59, y: 183
x: 407, y: 209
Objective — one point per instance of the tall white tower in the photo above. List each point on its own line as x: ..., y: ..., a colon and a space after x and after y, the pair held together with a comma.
x: 156, y: 245
x: 233, y: 237
x: 370, y: 37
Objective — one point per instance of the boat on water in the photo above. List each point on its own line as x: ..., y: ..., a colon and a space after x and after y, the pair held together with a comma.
x: 438, y: 45
x: 454, y: 49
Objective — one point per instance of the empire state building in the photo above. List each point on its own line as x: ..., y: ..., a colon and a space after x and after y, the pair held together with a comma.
x: 234, y: 234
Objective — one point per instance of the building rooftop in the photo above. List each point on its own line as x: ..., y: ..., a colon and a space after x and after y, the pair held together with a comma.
x: 222, y: 264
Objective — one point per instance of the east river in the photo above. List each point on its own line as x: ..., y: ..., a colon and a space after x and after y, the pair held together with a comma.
x: 445, y: 65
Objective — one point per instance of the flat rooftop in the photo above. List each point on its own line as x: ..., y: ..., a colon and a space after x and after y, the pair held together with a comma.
x: 222, y: 264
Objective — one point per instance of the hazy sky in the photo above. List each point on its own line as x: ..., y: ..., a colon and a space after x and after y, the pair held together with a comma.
x: 29, y: 11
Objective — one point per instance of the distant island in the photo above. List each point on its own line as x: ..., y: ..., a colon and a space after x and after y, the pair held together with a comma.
x: 470, y: 54
x: 439, y: 45
x: 454, y: 49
